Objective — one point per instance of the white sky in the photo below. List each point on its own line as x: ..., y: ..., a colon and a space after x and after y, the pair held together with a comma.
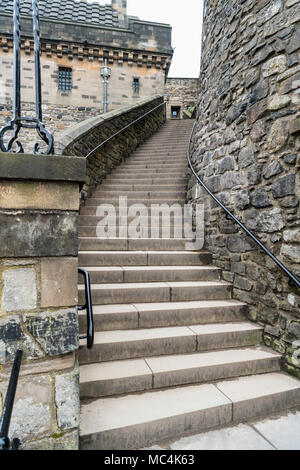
x: 185, y: 17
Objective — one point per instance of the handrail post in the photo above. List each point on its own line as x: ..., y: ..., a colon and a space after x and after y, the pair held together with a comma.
x: 8, y: 404
x: 89, y: 309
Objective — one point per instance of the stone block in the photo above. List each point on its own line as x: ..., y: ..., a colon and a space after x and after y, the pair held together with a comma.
x: 56, y: 332
x: 274, y: 66
x: 32, y: 234
x: 59, y: 282
x: 12, y: 338
x: 291, y: 253
x: 19, y: 289
x: 32, y: 414
x: 39, y: 195
x: 284, y: 186
x: 273, y: 169
x: 57, y: 441
x: 264, y: 221
x: 67, y: 400
x: 260, y: 198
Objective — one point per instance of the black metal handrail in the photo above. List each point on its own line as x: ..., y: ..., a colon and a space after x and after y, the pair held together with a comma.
x: 8, y: 406
x: 124, y: 129
x: 291, y: 276
x: 89, y: 309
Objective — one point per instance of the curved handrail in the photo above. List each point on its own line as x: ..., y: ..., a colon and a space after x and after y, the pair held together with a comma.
x: 293, y: 279
x: 89, y: 309
x: 123, y: 129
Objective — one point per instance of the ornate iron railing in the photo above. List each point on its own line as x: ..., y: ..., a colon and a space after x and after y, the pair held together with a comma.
x: 17, y: 122
x: 88, y: 306
x: 292, y: 279
x: 5, y: 419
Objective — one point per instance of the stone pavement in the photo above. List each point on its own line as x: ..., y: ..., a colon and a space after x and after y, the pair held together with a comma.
x: 280, y: 432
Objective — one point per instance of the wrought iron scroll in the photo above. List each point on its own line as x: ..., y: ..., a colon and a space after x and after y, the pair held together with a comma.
x: 18, y: 121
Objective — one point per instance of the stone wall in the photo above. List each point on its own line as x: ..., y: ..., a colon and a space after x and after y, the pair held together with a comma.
x: 246, y: 148
x: 56, y: 119
x: 181, y: 92
x: 83, y: 138
x: 39, y: 204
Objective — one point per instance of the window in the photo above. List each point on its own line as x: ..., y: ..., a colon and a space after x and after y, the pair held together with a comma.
x: 136, y: 85
x: 64, y: 79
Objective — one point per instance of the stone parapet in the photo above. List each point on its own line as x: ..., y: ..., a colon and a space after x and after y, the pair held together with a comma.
x: 39, y: 204
x: 86, y: 136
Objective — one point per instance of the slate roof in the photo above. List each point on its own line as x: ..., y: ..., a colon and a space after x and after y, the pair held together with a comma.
x: 68, y: 10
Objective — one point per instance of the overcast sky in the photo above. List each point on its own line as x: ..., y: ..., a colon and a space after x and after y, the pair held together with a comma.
x: 185, y: 16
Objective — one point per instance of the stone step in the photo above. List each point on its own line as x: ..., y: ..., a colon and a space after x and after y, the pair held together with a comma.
x: 92, y: 230
x: 139, y: 187
x: 150, y: 172
x: 132, y: 244
x: 164, y: 314
x: 144, y: 258
x: 100, y: 275
x: 144, y: 223
x: 92, y: 206
x: 136, y: 375
x: 156, y: 159
x: 133, y: 194
x: 134, y: 421
x: 172, y: 166
x: 158, y: 180
x: 129, y: 344
x: 105, y: 294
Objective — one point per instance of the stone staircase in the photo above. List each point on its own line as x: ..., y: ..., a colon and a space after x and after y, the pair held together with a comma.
x: 174, y: 354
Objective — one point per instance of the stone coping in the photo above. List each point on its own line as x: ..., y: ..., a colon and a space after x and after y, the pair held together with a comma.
x: 20, y: 166
x: 68, y: 136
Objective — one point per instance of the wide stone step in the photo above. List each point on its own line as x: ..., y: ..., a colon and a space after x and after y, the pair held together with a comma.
x: 104, y: 294
x: 141, y: 166
x: 134, y: 421
x: 134, y: 195
x: 144, y: 258
x: 158, y: 180
x: 93, y: 230
x: 130, y: 344
x: 132, y: 244
x: 164, y: 314
x: 143, y: 221
x: 136, y: 375
x: 139, y: 187
x: 156, y: 159
x: 99, y: 275
x: 92, y: 206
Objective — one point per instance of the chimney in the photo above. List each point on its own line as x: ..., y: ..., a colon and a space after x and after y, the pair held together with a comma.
x: 120, y: 6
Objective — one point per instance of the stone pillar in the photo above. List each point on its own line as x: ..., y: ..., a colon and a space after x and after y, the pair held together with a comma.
x: 120, y: 6
x: 39, y: 204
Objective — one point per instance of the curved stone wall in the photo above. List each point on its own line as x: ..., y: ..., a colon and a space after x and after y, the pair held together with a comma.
x: 82, y: 138
x: 246, y: 148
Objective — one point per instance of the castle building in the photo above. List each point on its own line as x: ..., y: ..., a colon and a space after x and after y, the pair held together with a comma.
x: 77, y: 40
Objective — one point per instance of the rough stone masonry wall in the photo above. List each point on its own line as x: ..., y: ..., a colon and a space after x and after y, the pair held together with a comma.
x: 181, y: 92
x: 39, y: 203
x: 246, y: 148
x: 83, y: 138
